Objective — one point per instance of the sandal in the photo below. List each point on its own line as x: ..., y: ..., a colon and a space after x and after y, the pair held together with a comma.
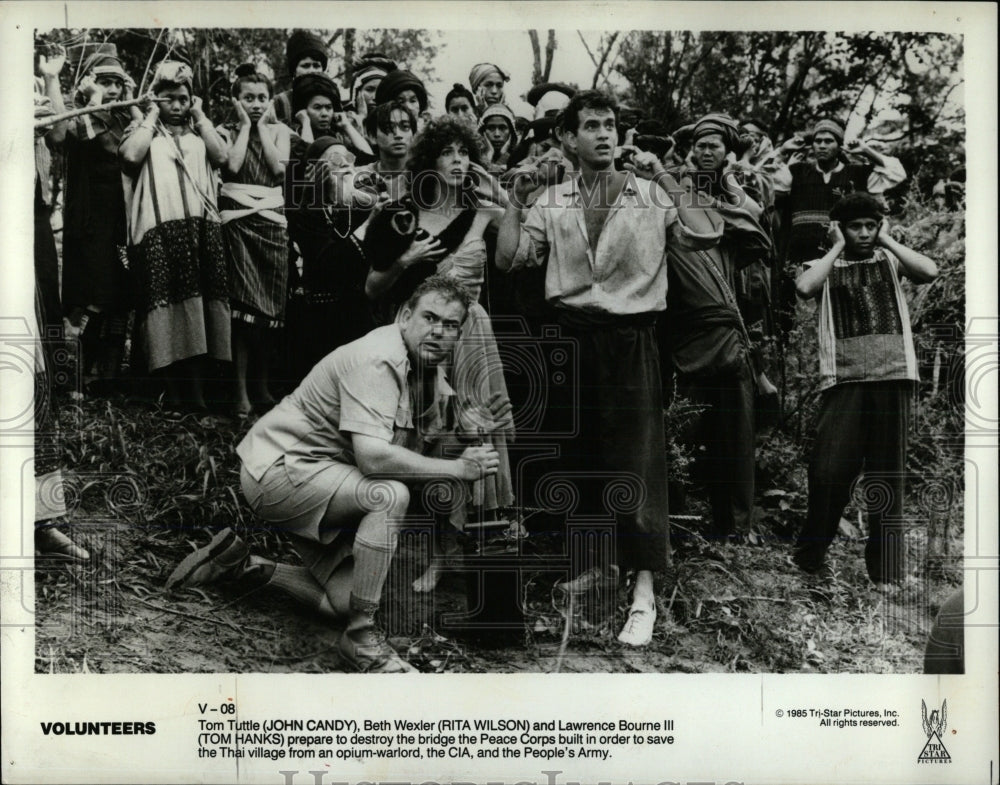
x: 173, y: 413
x: 369, y: 652
x: 594, y: 578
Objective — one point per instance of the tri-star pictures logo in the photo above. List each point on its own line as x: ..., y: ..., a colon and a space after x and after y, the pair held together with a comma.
x: 934, y: 727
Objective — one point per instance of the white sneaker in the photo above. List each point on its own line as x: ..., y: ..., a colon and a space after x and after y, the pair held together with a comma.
x: 638, y: 629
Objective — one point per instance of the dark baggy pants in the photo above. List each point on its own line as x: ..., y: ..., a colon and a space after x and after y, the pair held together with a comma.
x: 47, y: 275
x: 860, y: 426
x: 616, y: 460
x: 727, y: 431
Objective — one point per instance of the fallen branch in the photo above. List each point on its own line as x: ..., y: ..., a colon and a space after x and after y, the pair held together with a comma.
x: 204, y: 618
x: 565, y: 635
x: 747, y: 597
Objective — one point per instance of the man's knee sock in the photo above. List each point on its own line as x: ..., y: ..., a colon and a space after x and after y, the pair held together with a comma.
x: 371, y: 567
x: 300, y: 584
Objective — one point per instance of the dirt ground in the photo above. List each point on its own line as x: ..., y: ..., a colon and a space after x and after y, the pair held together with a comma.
x: 142, y: 493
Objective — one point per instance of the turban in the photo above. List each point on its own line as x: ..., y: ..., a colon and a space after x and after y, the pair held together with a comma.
x: 857, y: 205
x: 370, y: 66
x: 302, y: 43
x: 754, y: 122
x: 105, y: 64
x: 829, y: 127
x: 549, y: 98
x: 364, y: 76
x: 502, y: 111
x: 102, y: 64
x: 308, y: 86
x: 397, y: 82
x: 172, y: 71
x: 479, y: 74
x: 718, y: 123
x: 315, y: 151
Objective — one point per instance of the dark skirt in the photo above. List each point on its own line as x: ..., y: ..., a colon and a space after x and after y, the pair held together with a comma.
x: 93, y: 269
x: 182, y: 292
x: 616, y: 457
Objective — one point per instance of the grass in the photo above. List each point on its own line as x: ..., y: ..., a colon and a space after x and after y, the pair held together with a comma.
x: 144, y: 492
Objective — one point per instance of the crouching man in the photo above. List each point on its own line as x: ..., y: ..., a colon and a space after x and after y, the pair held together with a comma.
x: 330, y: 466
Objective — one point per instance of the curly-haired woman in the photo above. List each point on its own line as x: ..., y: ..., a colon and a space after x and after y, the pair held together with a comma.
x: 453, y: 216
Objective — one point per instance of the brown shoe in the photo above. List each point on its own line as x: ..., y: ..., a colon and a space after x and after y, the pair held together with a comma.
x: 368, y: 651
x: 223, y: 558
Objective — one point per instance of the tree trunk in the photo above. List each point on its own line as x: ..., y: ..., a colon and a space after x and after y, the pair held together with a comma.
x: 536, y: 51
x: 348, y: 57
x: 550, y: 48
x: 793, y: 94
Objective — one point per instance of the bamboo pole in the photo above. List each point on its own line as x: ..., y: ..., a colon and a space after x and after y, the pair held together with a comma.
x: 44, y: 122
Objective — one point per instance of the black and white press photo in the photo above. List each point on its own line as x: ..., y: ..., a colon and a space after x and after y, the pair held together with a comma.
x: 595, y: 388
x: 630, y: 351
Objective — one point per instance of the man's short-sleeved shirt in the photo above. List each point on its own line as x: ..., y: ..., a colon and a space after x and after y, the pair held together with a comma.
x: 362, y: 387
x: 627, y: 272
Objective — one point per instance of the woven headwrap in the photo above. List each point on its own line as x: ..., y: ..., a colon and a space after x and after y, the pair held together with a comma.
x: 172, y: 71
x: 100, y: 64
x: 717, y: 123
x: 315, y: 150
x: 371, y: 65
x: 302, y: 43
x: 343, y: 160
x: 857, y: 205
x: 307, y: 86
x: 830, y: 127
x: 366, y: 74
x: 105, y: 65
x: 754, y: 122
x: 396, y: 82
x: 480, y: 72
x: 499, y: 110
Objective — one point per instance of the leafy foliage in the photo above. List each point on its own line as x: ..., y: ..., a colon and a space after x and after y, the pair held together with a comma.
x: 214, y: 53
x: 904, y: 88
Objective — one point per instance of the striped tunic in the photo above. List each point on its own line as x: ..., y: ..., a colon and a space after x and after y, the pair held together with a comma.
x: 255, y: 236
x: 175, y: 250
x: 864, y: 324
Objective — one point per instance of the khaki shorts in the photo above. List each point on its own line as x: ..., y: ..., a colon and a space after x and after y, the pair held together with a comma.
x: 300, y: 510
